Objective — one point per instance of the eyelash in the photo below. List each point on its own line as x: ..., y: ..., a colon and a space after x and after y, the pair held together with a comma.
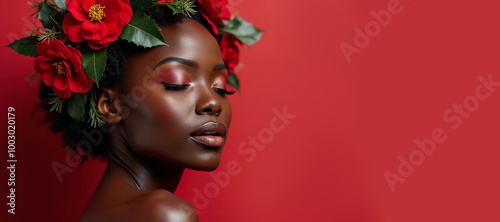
x: 223, y: 91
x: 183, y: 86
x: 175, y: 86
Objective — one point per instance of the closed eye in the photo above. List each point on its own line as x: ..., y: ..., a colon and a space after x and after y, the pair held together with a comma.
x: 223, y: 91
x: 175, y: 86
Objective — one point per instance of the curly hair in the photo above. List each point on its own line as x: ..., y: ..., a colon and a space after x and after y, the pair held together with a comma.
x: 77, y: 134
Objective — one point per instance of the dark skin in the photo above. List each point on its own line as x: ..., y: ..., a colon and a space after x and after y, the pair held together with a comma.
x: 171, y: 113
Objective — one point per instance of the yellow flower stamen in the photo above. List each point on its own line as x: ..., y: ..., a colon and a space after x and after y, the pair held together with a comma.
x: 61, y: 69
x: 96, y: 13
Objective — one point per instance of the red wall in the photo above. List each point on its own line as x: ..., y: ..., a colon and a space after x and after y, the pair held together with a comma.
x: 355, y: 123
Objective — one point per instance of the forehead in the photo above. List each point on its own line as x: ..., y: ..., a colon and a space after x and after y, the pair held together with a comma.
x: 188, y: 40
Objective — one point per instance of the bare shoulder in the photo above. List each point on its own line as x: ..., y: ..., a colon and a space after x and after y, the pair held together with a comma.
x: 165, y: 206
x: 154, y: 206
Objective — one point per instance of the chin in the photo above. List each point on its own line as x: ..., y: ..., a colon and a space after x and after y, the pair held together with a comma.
x: 210, y: 164
x: 207, y: 168
x: 204, y: 168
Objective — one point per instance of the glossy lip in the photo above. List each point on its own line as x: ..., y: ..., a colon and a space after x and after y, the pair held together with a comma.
x: 210, y: 134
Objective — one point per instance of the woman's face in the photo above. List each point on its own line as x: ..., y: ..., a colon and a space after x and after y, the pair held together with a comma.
x: 178, y: 110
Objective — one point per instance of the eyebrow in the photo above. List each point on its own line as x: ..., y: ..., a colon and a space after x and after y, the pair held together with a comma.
x: 188, y: 62
x: 220, y: 67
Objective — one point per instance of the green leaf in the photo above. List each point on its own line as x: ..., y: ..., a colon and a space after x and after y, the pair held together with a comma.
x: 49, y: 16
x: 140, y: 5
x: 185, y: 7
x: 233, y: 81
x: 243, y: 30
x: 61, y: 5
x: 56, y: 102
x: 143, y: 31
x: 76, y: 106
x: 25, y: 46
x: 94, y: 117
x: 93, y: 64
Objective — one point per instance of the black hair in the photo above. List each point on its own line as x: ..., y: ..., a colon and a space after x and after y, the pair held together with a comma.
x: 75, y: 133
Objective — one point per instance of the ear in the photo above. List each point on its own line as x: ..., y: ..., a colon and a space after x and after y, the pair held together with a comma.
x: 109, y: 105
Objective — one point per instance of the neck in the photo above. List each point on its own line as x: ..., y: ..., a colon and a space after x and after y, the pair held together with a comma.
x: 140, y: 172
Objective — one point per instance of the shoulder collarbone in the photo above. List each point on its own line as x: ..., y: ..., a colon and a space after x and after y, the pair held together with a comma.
x: 153, y: 206
x: 163, y: 206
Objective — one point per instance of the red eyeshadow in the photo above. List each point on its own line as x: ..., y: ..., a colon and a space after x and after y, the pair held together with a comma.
x: 220, y: 82
x: 176, y: 78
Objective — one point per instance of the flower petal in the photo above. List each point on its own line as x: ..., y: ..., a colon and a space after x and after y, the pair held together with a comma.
x: 43, y: 48
x: 112, y: 6
x: 68, y: 67
x: 91, y: 36
x: 126, y: 14
x: 104, y: 32
x: 214, y: 27
x: 86, y: 4
x: 225, y: 15
x: 72, y: 28
x: 43, y: 63
x: 89, y: 85
x: 52, y: 54
x: 75, y: 51
x: 76, y: 10
x: 91, y: 26
x: 65, y: 94
x: 113, y: 27
x: 98, y: 46
x: 77, y: 82
x: 75, y: 61
x: 61, y: 82
x: 48, y: 77
x: 62, y: 49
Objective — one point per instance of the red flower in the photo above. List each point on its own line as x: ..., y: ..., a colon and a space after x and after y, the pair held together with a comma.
x: 100, y: 22
x: 214, y: 11
x: 61, y: 68
x: 230, y: 51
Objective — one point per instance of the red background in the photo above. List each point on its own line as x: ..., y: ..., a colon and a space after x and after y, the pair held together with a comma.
x: 352, y: 121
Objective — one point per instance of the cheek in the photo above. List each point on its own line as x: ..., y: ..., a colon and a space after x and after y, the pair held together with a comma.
x: 159, y: 124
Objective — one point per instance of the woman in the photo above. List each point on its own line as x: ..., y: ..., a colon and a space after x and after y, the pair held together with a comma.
x: 180, y: 122
x: 160, y: 108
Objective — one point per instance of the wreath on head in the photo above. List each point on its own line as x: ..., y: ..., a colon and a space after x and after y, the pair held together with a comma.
x: 70, y: 48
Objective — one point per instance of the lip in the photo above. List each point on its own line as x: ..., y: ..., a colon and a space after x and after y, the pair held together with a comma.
x: 210, y: 134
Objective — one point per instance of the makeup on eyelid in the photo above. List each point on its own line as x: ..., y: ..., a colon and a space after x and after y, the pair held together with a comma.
x: 174, y: 78
x: 220, y: 82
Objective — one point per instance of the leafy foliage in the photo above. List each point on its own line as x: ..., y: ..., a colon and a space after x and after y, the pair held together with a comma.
x: 243, y: 30
x: 140, y: 5
x: 61, y: 5
x: 25, y: 46
x: 233, y: 81
x: 143, y: 31
x: 49, y: 16
x: 94, y: 117
x: 56, y: 102
x: 76, y: 106
x: 184, y: 7
x: 93, y: 63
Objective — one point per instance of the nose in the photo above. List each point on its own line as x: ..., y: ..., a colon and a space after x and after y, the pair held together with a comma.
x: 208, y: 103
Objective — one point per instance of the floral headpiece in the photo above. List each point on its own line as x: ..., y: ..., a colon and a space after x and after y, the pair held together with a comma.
x: 73, y: 70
